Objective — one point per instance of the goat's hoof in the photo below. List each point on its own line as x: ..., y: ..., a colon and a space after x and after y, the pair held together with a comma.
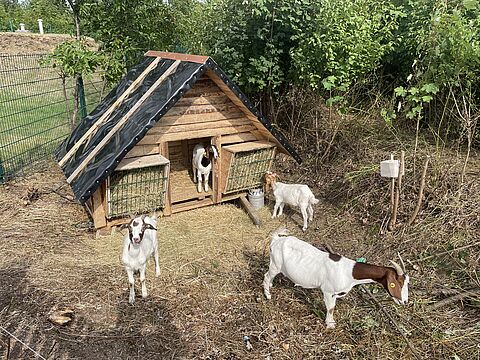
x: 304, y: 228
x: 331, y: 325
x: 131, y: 301
x: 144, y: 295
x: 157, y: 273
x: 268, y: 296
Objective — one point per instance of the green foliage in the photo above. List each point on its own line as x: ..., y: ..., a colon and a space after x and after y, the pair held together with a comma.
x: 345, y: 40
x: 132, y: 27
x: 253, y: 39
x: 55, y: 16
x: 73, y: 58
x: 444, y: 49
x: 417, y: 97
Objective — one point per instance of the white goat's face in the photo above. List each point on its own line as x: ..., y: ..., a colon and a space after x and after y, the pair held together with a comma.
x: 137, y: 228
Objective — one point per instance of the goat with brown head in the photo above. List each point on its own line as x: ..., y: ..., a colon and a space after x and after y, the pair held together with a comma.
x: 311, y: 267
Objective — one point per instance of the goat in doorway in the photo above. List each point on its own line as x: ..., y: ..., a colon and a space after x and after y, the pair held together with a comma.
x: 202, y: 160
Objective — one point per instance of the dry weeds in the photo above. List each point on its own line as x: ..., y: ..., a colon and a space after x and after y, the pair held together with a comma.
x: 209, y: 294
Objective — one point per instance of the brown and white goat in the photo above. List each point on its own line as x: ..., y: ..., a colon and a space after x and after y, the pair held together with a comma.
x: 310, y: 267
x: 291, y: 194
x: 138, y: 246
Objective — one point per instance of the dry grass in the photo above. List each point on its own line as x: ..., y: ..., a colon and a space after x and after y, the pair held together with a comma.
x: 209, y: 294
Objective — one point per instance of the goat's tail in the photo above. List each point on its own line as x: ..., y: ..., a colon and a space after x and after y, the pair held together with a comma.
x: 281, y: 231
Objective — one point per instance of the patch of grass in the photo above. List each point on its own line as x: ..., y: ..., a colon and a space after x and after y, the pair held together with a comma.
x: 34, y: 115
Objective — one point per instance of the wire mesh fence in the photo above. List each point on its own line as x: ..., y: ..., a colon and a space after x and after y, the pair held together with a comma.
x: 35, y: 110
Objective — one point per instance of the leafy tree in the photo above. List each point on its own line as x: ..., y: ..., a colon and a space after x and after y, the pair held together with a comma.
x: 55, y: 16
x: 345, y: 41
x: 73, y: 59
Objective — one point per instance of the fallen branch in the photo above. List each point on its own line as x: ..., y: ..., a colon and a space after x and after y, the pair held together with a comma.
x: 454, y: 298
x: 448, y: 251
x: 409, y: 344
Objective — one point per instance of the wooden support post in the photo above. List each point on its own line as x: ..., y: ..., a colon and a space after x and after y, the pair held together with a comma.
x: 99, y: 216
x: 250, y: 210
x: 217, y: 171
x: 167, y: 211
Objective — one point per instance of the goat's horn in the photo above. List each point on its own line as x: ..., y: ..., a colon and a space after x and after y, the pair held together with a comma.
x: 397, y: 268
x: 402, y: 263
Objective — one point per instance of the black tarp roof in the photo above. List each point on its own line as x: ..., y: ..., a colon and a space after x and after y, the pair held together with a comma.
x: 143, y: 119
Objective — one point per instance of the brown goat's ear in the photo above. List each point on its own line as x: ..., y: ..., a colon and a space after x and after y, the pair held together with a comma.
x: 393, y: 286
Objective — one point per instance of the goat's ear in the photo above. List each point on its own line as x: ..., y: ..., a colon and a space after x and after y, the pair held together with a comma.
x: 124, y: 226
x: 150, y: 226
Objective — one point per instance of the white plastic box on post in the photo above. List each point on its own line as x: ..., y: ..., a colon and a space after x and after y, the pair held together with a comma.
x: 390, y: 168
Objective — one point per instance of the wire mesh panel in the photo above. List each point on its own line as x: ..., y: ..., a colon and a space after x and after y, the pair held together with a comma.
x: 34, y: 111
x: 247, y: 169
x: 137, y: 190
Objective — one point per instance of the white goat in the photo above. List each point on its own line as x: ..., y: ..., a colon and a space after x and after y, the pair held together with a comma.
x: 293, y: 195
x: 138, y: 245
x: 310, y: 267
x: 202, y: 164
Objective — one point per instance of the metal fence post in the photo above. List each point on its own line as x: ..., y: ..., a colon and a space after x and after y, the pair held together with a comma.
x: 2, y: 172
x: 81, y: 96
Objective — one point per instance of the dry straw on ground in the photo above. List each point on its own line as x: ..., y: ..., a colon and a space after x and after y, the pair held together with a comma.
x: 209, y: 294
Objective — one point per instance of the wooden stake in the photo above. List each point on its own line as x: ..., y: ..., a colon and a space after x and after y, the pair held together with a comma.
x: 393, y: 220
x: 121, y: 122
x: 420, y: 193
x: 91, y: 131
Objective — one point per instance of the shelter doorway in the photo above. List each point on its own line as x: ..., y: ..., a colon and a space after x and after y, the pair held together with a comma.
x: 183, y: 191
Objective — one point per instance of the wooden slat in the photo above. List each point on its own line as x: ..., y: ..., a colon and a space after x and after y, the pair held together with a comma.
x: 191, y: 205
x: 121, y: 122
x: 142, y: 150
x: 197, y: 91
x: 248, y: 146
x: 109, y: 111
x: 157, y: 138
x: 204, y: 100
x: 141, y: 162
x: 199, y: 126
x: 177, y: 56
x: 201, y: 109
x: 237, y: 138
x: 197, y: 118
x: 202, y: 93
x: 217, y: 171
x: 225, y: 165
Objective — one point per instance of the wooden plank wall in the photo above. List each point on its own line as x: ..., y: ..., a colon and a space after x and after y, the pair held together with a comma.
x: 204, y: 111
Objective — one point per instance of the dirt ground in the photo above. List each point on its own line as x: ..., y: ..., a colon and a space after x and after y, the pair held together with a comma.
x: 209, y: 294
